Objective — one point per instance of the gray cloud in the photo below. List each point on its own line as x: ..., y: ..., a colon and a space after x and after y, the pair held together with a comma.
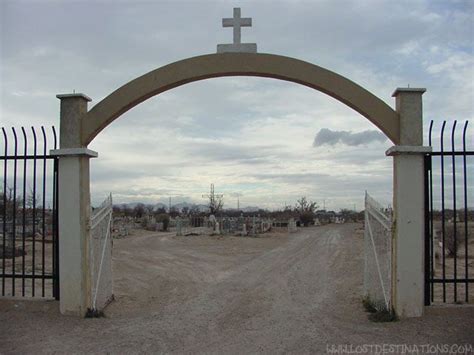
x: 216, y: 129
x: 334, y: 181
x: 326, y: 136
x: 235, y: 154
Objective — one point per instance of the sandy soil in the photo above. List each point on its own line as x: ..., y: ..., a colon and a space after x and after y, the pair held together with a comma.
x: 279, y: 293
x: 26, y: 261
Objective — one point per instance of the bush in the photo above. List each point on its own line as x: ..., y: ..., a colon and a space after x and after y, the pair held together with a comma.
x: 94, y: 313
x: 165, y: 219
x: 449, y: 243
x: 383, y: 316
x: 307, y: 218
x: 369, y: 305
x: 378, y: 312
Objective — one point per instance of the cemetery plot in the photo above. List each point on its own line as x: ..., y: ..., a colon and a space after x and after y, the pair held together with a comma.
x: 237, y: 226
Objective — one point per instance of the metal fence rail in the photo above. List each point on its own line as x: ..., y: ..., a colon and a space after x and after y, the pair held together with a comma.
x: 449, y: 196
x: 378, y: 251
x: 29, y: 216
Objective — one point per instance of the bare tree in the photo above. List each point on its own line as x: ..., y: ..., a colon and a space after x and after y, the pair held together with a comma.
x: 149, y: 210
x: 216, y: 201
x: 117, y: 210
x: 139, y: 210
x: 32, y: 200
x: 126, y: 210
x: 10, y: 207
x: 303, y: 205
x: 216, y: 205
x: 9, y: 203
x: 306, y: 210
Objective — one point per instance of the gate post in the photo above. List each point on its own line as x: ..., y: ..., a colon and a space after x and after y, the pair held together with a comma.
x: 408, y: 205
x: 74, y: 207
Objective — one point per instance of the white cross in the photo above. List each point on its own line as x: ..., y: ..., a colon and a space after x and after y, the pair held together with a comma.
x: 237, y: 22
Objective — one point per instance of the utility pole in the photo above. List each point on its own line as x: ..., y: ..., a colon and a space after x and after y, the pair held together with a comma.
x: 238, y: 194
x: 169, y: 206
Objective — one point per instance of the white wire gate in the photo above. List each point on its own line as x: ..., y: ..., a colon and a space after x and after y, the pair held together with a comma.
x: 378, y: 252
x: 101, y: 255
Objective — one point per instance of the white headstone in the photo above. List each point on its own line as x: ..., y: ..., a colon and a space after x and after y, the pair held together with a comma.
x: 237, y: 23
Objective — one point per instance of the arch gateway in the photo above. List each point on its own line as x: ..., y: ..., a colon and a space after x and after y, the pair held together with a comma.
x: 402, y: 125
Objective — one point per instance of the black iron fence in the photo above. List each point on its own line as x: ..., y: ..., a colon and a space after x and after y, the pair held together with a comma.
x: 449, y: 219
x: 29, y: 215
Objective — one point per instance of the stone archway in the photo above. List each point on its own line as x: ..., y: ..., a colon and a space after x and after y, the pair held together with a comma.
x: 402, y: 126
x: 240, y: 64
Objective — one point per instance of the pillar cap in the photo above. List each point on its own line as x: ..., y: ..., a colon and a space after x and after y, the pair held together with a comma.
x: 74, y: 152
x: 408, y: 150
x: 73, y: 96
x: 408, y: 90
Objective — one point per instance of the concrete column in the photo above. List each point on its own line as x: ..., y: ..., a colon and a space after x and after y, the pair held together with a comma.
x: 408, y: 204
x: 409, y: 106
x: 74, y: 208
x: 73, y: 108
x: 409, y: 228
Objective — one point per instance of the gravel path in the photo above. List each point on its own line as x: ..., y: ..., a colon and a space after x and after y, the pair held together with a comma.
x: 200, y: 294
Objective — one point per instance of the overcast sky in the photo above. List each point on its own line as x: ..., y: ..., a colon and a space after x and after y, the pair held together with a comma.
x: 268, y: 140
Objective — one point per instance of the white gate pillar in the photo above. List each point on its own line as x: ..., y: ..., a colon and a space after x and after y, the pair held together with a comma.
x: 74, y: 208
x: 409, y: 207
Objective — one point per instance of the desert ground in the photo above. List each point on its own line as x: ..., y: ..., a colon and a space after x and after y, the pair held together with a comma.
x: 279, y: 293
x: 461, y: 262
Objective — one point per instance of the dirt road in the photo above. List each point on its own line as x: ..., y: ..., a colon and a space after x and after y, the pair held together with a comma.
x: 197, y: 294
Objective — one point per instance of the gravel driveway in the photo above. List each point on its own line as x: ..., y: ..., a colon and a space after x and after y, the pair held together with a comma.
x: 279, y: 293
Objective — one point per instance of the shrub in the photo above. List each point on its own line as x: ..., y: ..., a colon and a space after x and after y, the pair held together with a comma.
x: 378, y: 312
x: 94, y: 313
x: 307, y: 218
x: 449, y: 242
x: 165, y: 219
x: 369, y: 305
x: 383, y: 316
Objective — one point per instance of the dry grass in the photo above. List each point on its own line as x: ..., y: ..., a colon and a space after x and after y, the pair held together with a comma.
x: 378, y: 312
